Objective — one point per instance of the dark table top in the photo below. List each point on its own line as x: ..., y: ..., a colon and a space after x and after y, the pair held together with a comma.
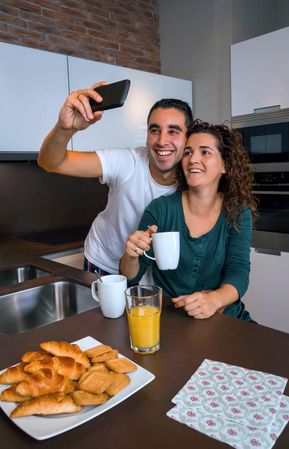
x: 141, y: 421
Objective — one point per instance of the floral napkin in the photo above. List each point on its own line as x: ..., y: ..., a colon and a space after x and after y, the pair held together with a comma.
x: 243, y: 408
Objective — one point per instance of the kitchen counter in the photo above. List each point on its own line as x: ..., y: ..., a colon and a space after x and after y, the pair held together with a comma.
x: 16, y: 252
x: 19, y: 250
x: 140, y: 421
x: 185, y: 343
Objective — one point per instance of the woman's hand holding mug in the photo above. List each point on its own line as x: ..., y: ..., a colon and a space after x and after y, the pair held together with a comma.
x: 166, y: 247
x: 140, y: 241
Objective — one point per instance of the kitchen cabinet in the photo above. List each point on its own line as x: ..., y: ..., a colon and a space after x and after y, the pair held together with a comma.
x: 72, y: 258
x: 267, y: 298
x: 125, y: 126
x: 33, y: 86
x: 35, y: 83
x: 260, y: 73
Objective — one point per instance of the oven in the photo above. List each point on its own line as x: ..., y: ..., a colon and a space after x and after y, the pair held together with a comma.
x: 272, y: 191
x: 265, y: 136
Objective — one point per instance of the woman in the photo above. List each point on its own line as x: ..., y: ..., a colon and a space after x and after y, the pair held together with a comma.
x: 213, y: 210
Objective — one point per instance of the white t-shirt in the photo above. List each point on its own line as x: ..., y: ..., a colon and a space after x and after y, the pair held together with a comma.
x: 131, y: 189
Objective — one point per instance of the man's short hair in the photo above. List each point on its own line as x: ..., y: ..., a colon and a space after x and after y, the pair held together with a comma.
x: 169, y: 103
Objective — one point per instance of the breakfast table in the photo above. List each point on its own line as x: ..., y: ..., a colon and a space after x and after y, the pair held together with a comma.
x: 140, y: 421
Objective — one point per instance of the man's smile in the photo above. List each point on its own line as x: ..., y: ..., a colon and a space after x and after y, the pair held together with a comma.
x: 162, y: 153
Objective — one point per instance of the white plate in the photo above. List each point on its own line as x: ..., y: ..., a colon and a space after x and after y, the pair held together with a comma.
x: 42, y: 428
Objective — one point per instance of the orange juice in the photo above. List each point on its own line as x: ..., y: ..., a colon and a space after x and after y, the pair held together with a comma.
x: 144, y: 328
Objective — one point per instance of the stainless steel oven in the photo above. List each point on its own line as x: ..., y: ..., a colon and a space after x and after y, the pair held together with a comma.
x: 266, y: 137
x: 272, y: 191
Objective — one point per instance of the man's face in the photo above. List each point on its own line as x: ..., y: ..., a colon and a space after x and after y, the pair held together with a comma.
x: 166, y: 140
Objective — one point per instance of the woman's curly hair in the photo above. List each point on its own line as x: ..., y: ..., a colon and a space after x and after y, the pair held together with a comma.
x: 236, y: 184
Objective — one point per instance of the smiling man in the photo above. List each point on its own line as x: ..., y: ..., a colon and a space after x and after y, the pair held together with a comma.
x: 165, y: 143
x: 135, y: 176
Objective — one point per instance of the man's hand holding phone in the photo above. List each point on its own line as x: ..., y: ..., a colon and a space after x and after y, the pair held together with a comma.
x: 84, y: 107
x: 113, y: 95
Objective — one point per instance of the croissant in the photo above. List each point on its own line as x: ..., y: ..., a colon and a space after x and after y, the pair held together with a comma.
x: 66, y: 366
x: 44, y: 382
x: 49, y: 404
x: 14, y: 374
x: 63, y: 348
x: 10, y: 395
x: 30, y: 356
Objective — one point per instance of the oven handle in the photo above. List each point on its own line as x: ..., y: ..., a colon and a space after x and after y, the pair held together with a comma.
x: 271, y: 192
x: 272, y: 252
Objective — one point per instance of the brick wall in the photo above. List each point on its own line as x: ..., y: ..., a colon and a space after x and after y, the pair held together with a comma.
x: 120, y: 32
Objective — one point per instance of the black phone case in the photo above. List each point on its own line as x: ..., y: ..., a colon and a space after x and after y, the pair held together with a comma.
x: 113, y: 95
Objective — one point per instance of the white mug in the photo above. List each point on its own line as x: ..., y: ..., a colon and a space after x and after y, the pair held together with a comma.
x: 166, y: 246
x: 109, y: 292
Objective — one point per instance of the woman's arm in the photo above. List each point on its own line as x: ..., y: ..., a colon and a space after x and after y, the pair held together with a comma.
x: 204, y: 304
x: 236, y: 268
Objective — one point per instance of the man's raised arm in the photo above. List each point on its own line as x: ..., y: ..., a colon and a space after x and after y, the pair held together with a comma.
x: 75, y: 115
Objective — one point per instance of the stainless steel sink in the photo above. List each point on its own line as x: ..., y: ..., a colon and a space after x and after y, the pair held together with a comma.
x: 34, y: 307
x: 20, y: 274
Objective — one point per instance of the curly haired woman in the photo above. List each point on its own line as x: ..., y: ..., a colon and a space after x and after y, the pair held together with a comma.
x: 214, y: 210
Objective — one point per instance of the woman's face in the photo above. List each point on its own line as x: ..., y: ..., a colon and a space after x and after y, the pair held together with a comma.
x: 202, y: 162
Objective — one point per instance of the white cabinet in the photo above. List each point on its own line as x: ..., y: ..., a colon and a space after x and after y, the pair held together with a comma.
x: 125, y: 126
x: 267, y: 298
x: 33, y: 86
x: 260, y: 72
x: 72, y: 258
x: 35, y: 83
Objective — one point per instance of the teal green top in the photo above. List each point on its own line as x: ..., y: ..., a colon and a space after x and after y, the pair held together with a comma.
x: 221, y: 256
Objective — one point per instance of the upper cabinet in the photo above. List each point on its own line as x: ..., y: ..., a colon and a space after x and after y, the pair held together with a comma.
x: 33, y: 86
x: 125, y: 126
x: 35, y: 83
x: 260, y: 73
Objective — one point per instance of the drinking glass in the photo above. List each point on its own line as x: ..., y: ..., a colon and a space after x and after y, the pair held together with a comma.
x: 143, y: 307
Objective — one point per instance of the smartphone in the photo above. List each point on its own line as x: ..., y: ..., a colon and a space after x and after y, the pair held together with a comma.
x: 113, y: 95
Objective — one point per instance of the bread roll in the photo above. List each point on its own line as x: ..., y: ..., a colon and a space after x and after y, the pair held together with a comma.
x: 10, y: 395
x: 31, y: 356
x: 63, y: 348
x: 14, y: 374
x: 49, y: 404
x: 67, y: 366
x: 44, y: 382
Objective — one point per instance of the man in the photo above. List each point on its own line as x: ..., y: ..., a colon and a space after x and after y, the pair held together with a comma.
x: 134, y: 176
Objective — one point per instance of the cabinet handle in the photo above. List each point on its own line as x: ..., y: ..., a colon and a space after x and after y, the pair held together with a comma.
x: 272, y: 252
x: 274, y: 108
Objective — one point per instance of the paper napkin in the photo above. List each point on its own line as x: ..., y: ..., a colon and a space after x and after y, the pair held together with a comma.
x: 243, y: 408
